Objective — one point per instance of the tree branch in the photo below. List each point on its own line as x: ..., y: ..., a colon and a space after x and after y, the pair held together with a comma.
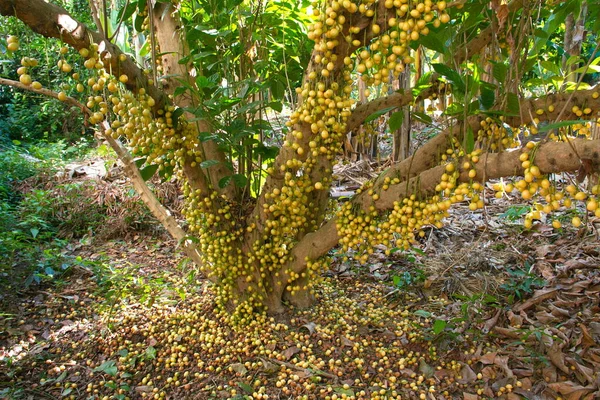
x: 133, y: 173
x: 552, y: 157
x: 51, y: 20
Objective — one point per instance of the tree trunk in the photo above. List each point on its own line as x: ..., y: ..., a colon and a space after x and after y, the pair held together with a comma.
x: 401, y: 137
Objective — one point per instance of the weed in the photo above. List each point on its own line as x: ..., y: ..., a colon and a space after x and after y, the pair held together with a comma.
x: 514, y: 213
x: 521, y: 283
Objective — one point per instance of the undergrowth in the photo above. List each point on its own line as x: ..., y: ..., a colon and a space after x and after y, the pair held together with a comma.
x: 41, y: 213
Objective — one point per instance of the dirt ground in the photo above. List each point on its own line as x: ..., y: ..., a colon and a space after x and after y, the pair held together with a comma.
x: 480, y: 309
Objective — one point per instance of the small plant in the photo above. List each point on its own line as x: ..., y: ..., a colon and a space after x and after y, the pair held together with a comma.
x: 521, y: 283
x: 514, y: 213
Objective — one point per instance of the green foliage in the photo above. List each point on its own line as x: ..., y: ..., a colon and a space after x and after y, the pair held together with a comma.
x: 514, y: 213
x: 27, y: 116
x: 521, y: 283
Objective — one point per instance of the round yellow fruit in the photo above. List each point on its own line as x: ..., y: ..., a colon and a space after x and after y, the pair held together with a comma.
x: 36, y: 85
x: 13, y: 46
x: 123, y: 78
x: 62, y: 96
x: 25, y: 79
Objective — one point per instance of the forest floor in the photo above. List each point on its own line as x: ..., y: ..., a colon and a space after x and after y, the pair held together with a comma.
x: 480, y: 309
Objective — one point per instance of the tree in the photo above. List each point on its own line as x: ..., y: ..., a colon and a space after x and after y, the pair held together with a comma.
x: 256, y: 216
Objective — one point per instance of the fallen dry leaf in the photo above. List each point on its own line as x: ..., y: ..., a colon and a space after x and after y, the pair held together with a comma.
x: 538, y: 297
x: 571, y: 390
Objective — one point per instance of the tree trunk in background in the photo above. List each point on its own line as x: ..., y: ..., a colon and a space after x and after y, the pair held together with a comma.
x: 419, y: 70
x: 401, y: 137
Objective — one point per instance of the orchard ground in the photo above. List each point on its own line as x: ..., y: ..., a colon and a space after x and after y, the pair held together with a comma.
x: 479, y: 309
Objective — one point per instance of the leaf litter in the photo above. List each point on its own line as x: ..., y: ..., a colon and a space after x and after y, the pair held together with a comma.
x: 480, y: 310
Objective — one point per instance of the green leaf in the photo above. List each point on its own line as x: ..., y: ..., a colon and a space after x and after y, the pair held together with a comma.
x: 140, y: 161
x: 512, y: 103
x: 499, y: 72
x: 246, y: 388
x: 276, y: 105
x: 148, y: 171
x: 150, y: 353
x: 558, y: 125
x: 127, y: 11
x: 422, y: 313
x: 469, y: 140
x: 450, y: 74
x: 108, y: 367
x: 224, y: 181
x: 34, y: 232
x: 240, y: 180
x: 591, y: 69
x: 438, y: 326
x: 176, y: 114
x: 208, y: 163
x: 123, y: 352
x: 487, y: 98
x: 396, y: 120
x: 550, y: 66
x: 268, y: 152
x: 66, y: 392
x: 378, y: 114
x: 139, y: 22
x: 432, y: 42
x: 422, y: 117
x: 203, y: 82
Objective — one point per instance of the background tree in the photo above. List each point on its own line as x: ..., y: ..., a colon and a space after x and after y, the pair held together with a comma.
x: 197, y: 101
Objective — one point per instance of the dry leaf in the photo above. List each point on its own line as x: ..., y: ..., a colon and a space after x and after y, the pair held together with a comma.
x: 557, y: 357
x: 311, y: 326
x: 346, y: 342
x: 290, y: 351
x: 239, y: 368
x: 571, y: 390
x: 467, y: 375
x: 538, y: 297
x: 487, y: 358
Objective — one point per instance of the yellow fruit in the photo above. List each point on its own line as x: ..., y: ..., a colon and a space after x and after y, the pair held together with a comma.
x: 551, y: 108
x: 122, y: 57
x: 576, y: 221
x: 123, y: 78
x: 25, y: 79
x: 13, y: 46
x: 318, y: 186
x: 64, y: 50
x: 556, y: 224
x: 22, y: 70
x: 36, y: 85
x: 12, y: 39
x: 62, y: 96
